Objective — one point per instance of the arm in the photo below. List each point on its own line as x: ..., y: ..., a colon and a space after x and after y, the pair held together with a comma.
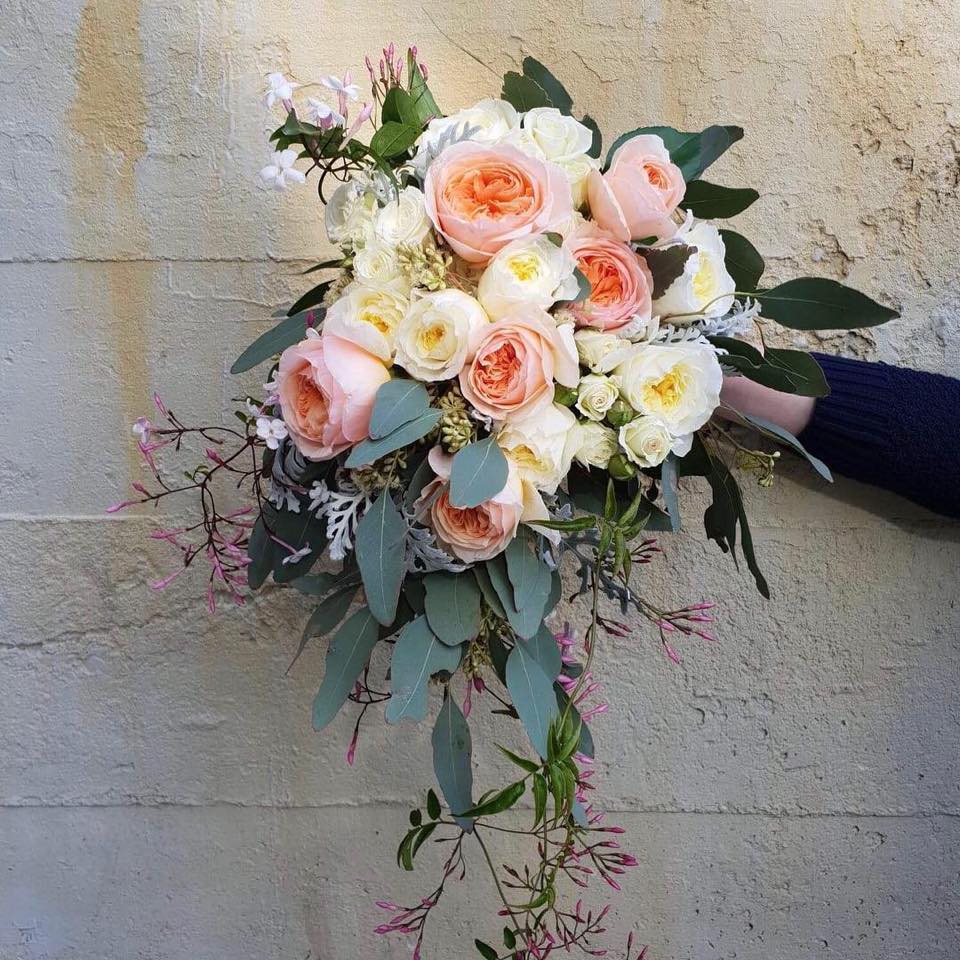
x: 894, y: 428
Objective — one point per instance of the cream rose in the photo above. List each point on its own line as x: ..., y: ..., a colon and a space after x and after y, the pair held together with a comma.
x: 593, y: 444
x: 515, y: 361
x: 578, y: 171
x: 433, y: 337
x: 533, y: 270
x: 369, y: 314
x: 596, y: 395
x: 350, y: 213
x: 559, y: 137
x: 600, y: 351
x: 646, y: 441
x: 487, y: 121
x: 705, y: 288
x: 678, y: 384
x: 539, y: 445
x: 377, y: 263
x: 403, y: 220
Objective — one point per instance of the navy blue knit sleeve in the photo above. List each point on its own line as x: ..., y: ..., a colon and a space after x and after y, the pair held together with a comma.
x: 893, y: 428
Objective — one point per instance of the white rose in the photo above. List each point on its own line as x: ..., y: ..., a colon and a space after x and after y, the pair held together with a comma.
x: 377, y: 263
x: 558, y: 136
x: 594, y: 444
x: 540, y: 445
x: 488, y: 121
x: 600, y: 351
x: 531, y: 270
x: 646, y: 441
x: 403, y: 220
x: 433, y: 338
x: 578, y: 171
x: 705, y: 288
x: 678, y: 384
x: 596, y: 395
x: 350, y: 214
x: 369, y: 315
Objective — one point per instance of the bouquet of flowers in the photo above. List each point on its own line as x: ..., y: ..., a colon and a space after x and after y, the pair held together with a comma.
x: 515, y: 359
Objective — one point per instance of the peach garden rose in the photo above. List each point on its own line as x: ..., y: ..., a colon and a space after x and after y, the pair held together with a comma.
x: 327, y: 386
x: 480, y: 198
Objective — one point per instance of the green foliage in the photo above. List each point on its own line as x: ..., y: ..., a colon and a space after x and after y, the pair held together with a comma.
x: 784, y: 436
x: 328, y: 613
x: 523, y: 92
x: 556, y: 92
x: 524, y: 764
x: 501, y: 800
x: 596, y: 148
x: 433, y: 805
x: 398, y: 401
x: 666, y: 264
x: 543, y: 648
x: 789, y: 371
x: 400, y: 107
x: 485, y: 950
x: 412, y: 842
x: 267, y: 555
x: 479, y: 472
x: 393, y: 139
x: 531, y: 581
x: 668, y: 483
x: 346, y: 658
x: 709, y: 201
x: 417, y: 655
x: 451, y: 756
x: 743, y: 262
x: 423, y: 101
x: 691, y: 152
x: 367, y: 451
x: 531, y: 691
x: 452, y: 606
x: 311, y: 298
x: 287, y: 332
x: 815, y: 303
x: 380, y: 541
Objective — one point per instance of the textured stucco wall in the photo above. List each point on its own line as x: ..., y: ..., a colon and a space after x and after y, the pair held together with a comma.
x: 792, y: 791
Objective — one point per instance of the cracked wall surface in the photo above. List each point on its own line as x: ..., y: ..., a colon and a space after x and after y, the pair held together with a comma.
x: 792, y: 791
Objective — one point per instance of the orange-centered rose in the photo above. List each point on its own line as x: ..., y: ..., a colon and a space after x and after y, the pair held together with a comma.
x: 515, y: 361
x: 480, y: 198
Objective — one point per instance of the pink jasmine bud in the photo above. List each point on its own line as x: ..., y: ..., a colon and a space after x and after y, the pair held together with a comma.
x: 611, y: 882
x: 423, y: 70
x: 122, y: 505
x: 166, y: 581
x: 160, y: 405
x: 671, y: 653
x: 387, y: 905
x: 211, y: 599
x: 352, y: 749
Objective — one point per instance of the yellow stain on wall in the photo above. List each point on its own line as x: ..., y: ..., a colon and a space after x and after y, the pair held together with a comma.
x: 107, y: 119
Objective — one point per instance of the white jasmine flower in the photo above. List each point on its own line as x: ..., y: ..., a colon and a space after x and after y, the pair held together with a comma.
x: 142, y: 428
x: 532, y: 270
x: 596, y: 394
x: 434, y: 336
x: 323, y: 115
x: 677, y: 384
x: 593, y: 444
x: 350, y: 90
x: 282, y: 169
x: 705, y: 288
x: 280, y: 88
x: 271, y: 430
x: 540, y: 445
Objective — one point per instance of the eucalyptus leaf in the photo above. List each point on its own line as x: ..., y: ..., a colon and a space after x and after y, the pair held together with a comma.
x: 775, y: 430
x: 451, y: 757
x: 789, y: 371
x: 347, y: 656
x: 328, y: 613
x: 397, y: 402
x: 367, y: 451
x: 531, y: 580
x: 743, y: 261
x: 553, y: 88
x: 596, y: 147
x: 545, y: 650
x: 815, y: 303
x: 533, y: 698
x: 524, y: 93
x: 667, y: 264
x: 417, y: 655
x: 489, y: 593
x: 452, y: 606
x: 287, y: 332
x: 380, y: 542
x: 311, y: 298
x: 479, y: 472
x: 668, y: 480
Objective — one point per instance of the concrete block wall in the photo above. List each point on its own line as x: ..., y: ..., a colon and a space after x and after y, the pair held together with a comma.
x: 792, y: 791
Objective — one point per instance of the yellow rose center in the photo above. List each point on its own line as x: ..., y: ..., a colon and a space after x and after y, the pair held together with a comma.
x: 666, y: 393
x: 377, y: 319
x: 524, y: 267
x: 704, y: 280
x: 431, y: 337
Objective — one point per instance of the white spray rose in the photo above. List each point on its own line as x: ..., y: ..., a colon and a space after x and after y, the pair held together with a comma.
x: 646, y: 441
x: 350, y: 214
x: 596, y: 394
x: 488, y: 121
x: 594, y: 444
x: 530, y: 270
x: 434, y: 336
x: 540, y: 445
x: 578, y: 170
x: 559, y: 137
x: 678, y: 384
x: 403, y: 220
x: 369, y: 315
x: 600, y: 351
x: 377, y: 263
x: 705, y: 288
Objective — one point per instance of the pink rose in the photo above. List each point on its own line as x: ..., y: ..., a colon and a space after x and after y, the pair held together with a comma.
x: 472, y: 533
x: 621, y: 282
x: 513, y: 363
x: 637, y: 195
x: 480, y: 198
x: 327, y: 386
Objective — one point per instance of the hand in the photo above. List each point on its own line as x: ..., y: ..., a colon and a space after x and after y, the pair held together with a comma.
x: 787, y: 410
